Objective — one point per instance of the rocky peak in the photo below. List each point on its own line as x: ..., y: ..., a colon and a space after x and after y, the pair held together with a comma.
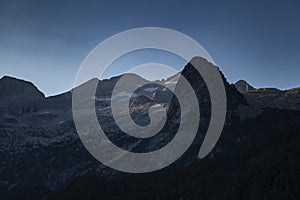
x: 243, y: 87
x: 10, y: 87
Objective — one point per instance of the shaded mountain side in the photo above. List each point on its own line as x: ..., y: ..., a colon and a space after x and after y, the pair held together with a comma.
x: 259, y: 160
x: 13, y: 88
x: 234, y: 98
x: 29, y: 107
x: 40, y: 149
x: 46, y: 137
x: 15, y: 94
x: 270, y: 97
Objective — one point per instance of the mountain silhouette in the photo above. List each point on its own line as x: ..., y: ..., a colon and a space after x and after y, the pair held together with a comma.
x: 43, y: 157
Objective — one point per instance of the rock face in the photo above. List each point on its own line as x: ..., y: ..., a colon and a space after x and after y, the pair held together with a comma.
x: 18, y: 96
x: 12, y: 87
x: 39, y: 146
x: 274, y: 98
x: 270, y: 97
x: 243, y: 87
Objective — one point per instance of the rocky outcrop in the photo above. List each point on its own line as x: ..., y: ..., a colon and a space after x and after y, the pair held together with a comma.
x: 243, y: 87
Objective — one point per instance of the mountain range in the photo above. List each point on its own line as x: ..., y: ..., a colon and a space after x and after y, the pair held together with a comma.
x: 43, y: 157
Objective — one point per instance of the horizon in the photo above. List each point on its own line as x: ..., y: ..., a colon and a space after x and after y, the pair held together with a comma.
x: 104, y: 79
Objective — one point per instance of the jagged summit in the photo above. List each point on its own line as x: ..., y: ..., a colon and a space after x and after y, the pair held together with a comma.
x: 196, y: 59
x: 13, y: 79
x: 41, y: 130
x: 243, y: 87
x: 10, y: 86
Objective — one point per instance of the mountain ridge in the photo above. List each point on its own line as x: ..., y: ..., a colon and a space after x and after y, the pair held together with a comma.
x: 41, y: 132
x: 237, y: 85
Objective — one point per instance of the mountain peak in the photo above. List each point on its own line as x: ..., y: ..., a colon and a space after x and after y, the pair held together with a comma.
x: 243, y: 86
x: 6, y: 78
x: 10, y: 86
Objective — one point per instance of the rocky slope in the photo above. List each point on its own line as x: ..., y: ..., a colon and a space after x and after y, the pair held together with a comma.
x: 40, y: 149
x: 270, y: 97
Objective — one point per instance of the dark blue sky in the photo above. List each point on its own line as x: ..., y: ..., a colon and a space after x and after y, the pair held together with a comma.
x: 46, y: 41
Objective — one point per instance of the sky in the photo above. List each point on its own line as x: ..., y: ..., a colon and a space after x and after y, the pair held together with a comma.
x: 45, y: 42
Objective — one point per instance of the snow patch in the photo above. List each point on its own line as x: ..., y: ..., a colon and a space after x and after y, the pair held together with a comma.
x: 151, y: 89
